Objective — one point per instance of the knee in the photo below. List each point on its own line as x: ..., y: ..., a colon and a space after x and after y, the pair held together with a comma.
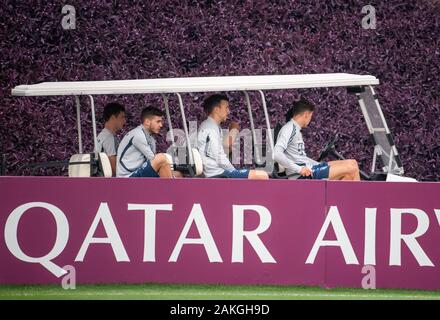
x: 262, y: 175
x: 161, y: 159
x: 258, y: 175
x: 353, y: 164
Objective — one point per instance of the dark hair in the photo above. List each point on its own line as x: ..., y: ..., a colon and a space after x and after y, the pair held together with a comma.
x: 149, y: 112
x: 213, y: 101
x: 299, y: 107
x: 112, y: 108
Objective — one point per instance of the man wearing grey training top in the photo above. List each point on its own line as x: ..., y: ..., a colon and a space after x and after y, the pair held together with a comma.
x: 137, y: 152
x: 114, y: 118
x: 210, y: 143
x: 290, y: 151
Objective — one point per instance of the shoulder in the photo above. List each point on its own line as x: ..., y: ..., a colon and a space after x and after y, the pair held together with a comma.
x: 138, y: 130
x: 206, y: 127
x: 288, y: 129
x: 137, y: 133
x: 288, y: 132
x: 204, y: 124
x: 105, y: 133
x: 132, y: 131
x: 106, y: 136
x: 130, y: 134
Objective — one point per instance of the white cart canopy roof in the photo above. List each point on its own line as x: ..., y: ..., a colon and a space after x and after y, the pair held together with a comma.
x: 196, y: 84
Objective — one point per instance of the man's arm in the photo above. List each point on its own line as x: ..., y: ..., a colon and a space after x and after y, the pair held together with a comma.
x: 215, y: 150
x: 287, y: 163
x: 280, y: 156
x: 110, y: 150
x: 112, y: 160
x: 142, y: 145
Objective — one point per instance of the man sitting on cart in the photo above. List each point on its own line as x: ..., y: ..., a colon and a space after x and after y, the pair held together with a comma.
x: 210, y: 143
x: 137, y: 151
x: 290, y: 151
x: 114, y: 121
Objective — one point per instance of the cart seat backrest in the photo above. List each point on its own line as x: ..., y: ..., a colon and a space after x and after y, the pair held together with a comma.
x: 197, y: 162
x: 105, y: 168
x: 81, y: 165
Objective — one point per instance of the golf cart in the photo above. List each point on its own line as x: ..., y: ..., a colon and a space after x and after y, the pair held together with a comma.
x: 96, y: 163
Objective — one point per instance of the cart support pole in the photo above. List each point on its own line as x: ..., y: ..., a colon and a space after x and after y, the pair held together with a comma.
x: 167, y: 112
x: 266, y: 116
x: 78, y: 120
x: 95, y: 139
x: 185, y: 128
x: 254, y: 136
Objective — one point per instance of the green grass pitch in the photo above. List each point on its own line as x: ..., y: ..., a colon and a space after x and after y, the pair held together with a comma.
x: 207, y: 292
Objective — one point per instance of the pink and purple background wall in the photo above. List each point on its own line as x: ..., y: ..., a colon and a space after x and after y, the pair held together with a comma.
x: 156, y: 39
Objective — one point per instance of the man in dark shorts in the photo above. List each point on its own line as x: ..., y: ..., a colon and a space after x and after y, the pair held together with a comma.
x: 137, y: 151
x: 290, y: 151
x: 210, y: 143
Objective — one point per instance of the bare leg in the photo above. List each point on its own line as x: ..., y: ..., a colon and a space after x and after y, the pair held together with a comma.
x: 344, y: 170
x: 258, y: 175
x: 161, y: 165
x: 357, y: 175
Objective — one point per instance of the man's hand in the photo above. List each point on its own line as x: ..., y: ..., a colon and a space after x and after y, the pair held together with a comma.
x: 305, y: 172
x: 232, y: 135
